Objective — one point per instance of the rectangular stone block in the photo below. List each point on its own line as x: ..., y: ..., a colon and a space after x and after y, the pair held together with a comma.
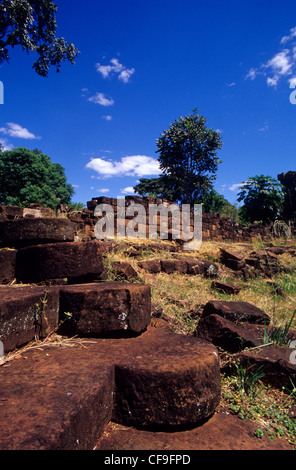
x: 27, y: 232
x: 55, y: 399
x: 74, y: 261
x: 151, y: 266
x: 32, y: 213
x: 23, y: 315
x: 109, y: 307
x: 7, y: 265
x: 12, y: 212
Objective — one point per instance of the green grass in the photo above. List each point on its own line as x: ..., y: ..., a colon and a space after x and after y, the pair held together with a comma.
x: 269, y: 409
x: 182, y: 297
x: 282, y: 334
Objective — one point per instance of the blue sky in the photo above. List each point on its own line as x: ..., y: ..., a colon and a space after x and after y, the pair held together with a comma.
x: 141, y: 66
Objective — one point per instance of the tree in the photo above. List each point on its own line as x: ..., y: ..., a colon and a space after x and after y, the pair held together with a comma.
x: 164, y: 187
x: 188, y: 156
x: 30, y: 177
x: 263, y: 198
x: 32, y: 25
x: 214, y: 203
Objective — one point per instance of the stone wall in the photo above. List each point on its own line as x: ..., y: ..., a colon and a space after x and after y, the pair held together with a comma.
x: 288, y: 180
x: 214, y: 227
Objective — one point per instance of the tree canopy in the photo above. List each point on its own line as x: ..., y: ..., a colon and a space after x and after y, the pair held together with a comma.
x: 165, y: 187
x: 188, y: 160
x: 262, y: 197
x: 30, y: 177
x: 215, y: 203
x: 32, y: 25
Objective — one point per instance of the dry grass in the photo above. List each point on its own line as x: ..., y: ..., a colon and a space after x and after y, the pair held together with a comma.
x: 182, y: 297
x: 52, y: 340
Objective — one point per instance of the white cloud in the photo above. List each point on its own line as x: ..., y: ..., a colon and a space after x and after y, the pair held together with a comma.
x: 288, y: 38
x: 292, y: 82
x: 103, y: 190
x: 5, y: 145
x: 251, y: 74
x: 108, y: 117
x: 116, y: 68
x: 264, y: 128
x: 236, y: 186
x: 128, y: 190
x: 140, y: 165
x: 84, y: 91
x: 15, y: 130
x: 133, y: 165
x: 281, y: 65
x: 125, y: 75
x: 100, y: 98
x: 272, y: 81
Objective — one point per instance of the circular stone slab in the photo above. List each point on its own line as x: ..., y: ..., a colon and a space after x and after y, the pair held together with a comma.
x: 157, y: 379
x: 172, y: 380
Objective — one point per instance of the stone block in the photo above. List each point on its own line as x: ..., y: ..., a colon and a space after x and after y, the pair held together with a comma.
x: 168, y: 266
x: 32, y: 213
x: 27, y: 232
x: 124, y: 271
x: 226, y: 288
x: 151, y: 266
x: 7, y: 265
x: 67, y: 395
x: 173, y: 380
x: 11, y: 212
x: 228, y: 335
x: 76, y: 261
x: 276, y: 363
x: 228, y: 254
x: 105, y: 308
x: 236, y: 311
x: 174, y: 266
x: 22, y: 316
x: 55, y: 399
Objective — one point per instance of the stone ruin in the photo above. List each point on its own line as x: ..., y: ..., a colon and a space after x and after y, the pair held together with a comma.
x: 116, y: 363
x: 62, y: 398
x: 214, y: 227
x: 288, y: 180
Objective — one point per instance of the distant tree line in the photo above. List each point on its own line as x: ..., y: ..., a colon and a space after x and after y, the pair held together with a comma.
x: 29, y: 176
x: 189, y: 162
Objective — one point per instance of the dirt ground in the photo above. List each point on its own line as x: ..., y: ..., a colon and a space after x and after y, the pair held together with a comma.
x: 224, y: 431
